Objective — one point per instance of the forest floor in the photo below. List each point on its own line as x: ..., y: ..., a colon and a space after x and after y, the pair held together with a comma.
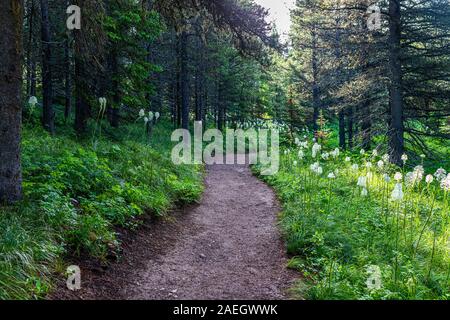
x: 226, y: 247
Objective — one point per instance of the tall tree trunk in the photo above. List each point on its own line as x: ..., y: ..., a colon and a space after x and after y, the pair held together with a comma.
x: 220, y: 105
x: 342, y: 143
x: 80, y: 80
x: 68, y: 80
x: 115, y: 88
x: 365, y: 104
x: 81, y: 104
x: 366, y: 126
x: 396, y: 139
x: 178, y: 84
x: 184, y: 82
x: 33, y: 78
x: 350, y: 127
x: 48, y: 116
x: 315, y: 83
x: 337, y: 53
x: 11, y: 16
x: 30, y: 50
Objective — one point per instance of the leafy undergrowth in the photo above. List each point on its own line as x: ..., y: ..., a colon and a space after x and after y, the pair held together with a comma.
x: 75, y: 193
x: 353, y: 237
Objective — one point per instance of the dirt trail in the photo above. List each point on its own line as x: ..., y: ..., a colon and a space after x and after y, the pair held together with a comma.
x: 227, y: 247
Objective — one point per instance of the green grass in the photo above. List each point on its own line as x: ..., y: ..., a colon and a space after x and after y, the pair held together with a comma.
x: 76, y: 191
x: 334, y: 234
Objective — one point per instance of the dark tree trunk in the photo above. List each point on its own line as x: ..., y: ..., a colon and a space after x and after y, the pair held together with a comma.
x: 366, y: 127
x: 178, y: 84
x: 184, y: 82
x: 48, y: 116
x: 396, y: 139
x: 341, y: 114
x: 11, y: 16
x: 116, y: 94
x: 68, y: 80
x: 342, y: 143
x: 350, y: 127
x: 33, y: 78
x: 220, y: 106
x: 30, y: 55
x: 82, y: 111
x: 197, y: 96
x: 199, y: 84
x: 81, y: 105
x: 173, y: 99
x: 315, y: 85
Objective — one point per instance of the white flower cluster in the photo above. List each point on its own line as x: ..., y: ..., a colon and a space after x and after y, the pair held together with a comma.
x: 315, y: 149
x: 316, y: 168
x: 445, y: 183
x: 33, y: 101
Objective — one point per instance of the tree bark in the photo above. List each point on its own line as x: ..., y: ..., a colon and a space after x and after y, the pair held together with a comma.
x: 350, y: 127
x: 184, y: 82
x: 116, y: 94
x: 81, y: 104
x: 68, y: 80
x: 342, y: 142
x: 396, y: 132
x: 315, y: 85
x: 30, y: 54
x: 48, y: 116
x: 11, y: 15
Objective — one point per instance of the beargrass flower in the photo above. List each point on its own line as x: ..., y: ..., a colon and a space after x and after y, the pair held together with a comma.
x: 32, y: 101
x: 440, y: 174
x: 364, y: 192
x: 385, y: 158
x: 398, y: 177
x: 316, y: 168
x: 404, y: 158
x: 315, y: 149
x: 445, y: 183
x: 301, y: 154
x: 150, y: 116
x: 397, y: 193
x: 331, y: 175
x: 295, y: 163
x: 157, y: 115
x: 409, y: 178
x: 362, y: 152
x: 375, y: 153
x: 362, y: 182
x: 387, y: 178
x: 348, y: 159
x: 141, y: 113
x: 355, y: 167
x: 429, y: 179
x: 319, y: 171
x: 325, y: 156
x: 368, y: 165
x: 418, y: 173
x: 335, y: 153
x: 380, y: 164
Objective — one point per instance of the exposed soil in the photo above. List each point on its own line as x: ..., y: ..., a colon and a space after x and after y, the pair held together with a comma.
x: 226, y: 247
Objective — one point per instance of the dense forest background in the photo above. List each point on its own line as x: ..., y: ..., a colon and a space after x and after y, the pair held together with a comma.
x: 223, y: 63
